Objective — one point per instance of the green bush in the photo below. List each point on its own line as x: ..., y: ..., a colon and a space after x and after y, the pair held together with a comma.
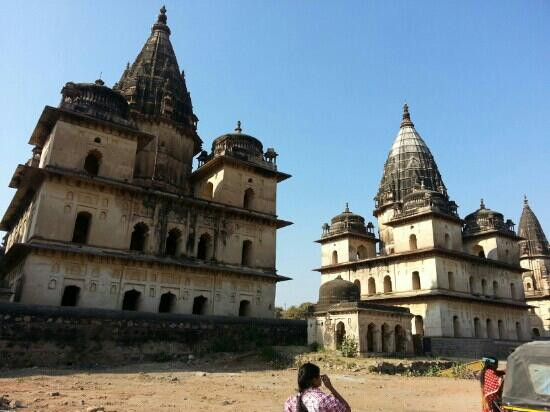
x: 349, y: 347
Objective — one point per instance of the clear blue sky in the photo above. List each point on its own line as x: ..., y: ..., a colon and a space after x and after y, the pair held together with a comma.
x: 322, y: 82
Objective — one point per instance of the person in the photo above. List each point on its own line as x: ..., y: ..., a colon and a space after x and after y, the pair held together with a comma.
x: 310, y: 397
x: 491, y: 381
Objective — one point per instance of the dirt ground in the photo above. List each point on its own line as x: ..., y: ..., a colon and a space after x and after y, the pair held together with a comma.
x: 242, y: 385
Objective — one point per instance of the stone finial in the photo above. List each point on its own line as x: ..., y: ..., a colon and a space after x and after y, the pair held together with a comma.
x: 238, y: 128
x: 406, y: 116
x: 422, y: 187
x: 99, y: 82
x: 347, y: 208
x: 162, y: 16
x: 128, y: 66
x: 525, y: 202
x: 481, y: 204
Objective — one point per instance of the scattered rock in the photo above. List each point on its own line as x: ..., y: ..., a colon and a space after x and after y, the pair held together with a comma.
x: 200, y: 374
x: 55, y: 394
x: 15, y: 404
x: 174, y: 379
x: 95, y: 409
x: 191, y: 357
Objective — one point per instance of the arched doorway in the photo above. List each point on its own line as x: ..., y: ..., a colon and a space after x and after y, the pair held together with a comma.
x: 248, y: 200
x: 340, y: 334
x: 489, y: 326
x: 416, y: 281
x: 370, y: 337
x: 519, y: 334
x: 199, y: 305
x: 91, y: 163
x: 477, y: 328
x: 535, y: 333
x: 372, y: 286
x: 70, y: 296
x: 501, y: 331
x: 412, y: 242
x: 246, y: 257
x: 400, y: 339
x: 387, y: 284
x: 361, y: 252
x: 244, y: 308
x: 173, y: 242
x: 456, y: 327
x: 204, y: 246
x: 357, y: 282
x: 131, y: 300
x: 167, y: 302
x: 139, y: 236
x: 82, y: 227
x: 334, y: 257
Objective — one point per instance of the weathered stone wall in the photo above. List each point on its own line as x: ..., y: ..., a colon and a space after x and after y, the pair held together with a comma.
x: 58, y: 336
x: 469, y: 347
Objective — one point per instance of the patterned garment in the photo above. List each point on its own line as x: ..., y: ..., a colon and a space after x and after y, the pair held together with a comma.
x: 315, y: 400
x: 491, y: 390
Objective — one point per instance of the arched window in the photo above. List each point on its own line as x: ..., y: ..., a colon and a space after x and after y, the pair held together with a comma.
x: 82, y: 227
x: 248, y: 199
x: 412, y: 242
x: 528, y: 286
x: 358, y: 283
x: 246, y: 257
x: 484, y: 287
x: 340, y: 334
x: 415, y: 281
x: 501, y: 331
x: 209, y: 190
x: 70, y: 296
x: 418, y: 325
x: 139, y: 237
x: 167, y: 302
x: 447, y: 241
x: 199, y: 305
x: 471, y: 284
x: 495, y: 288
x: 477, y: 328
x: 334, y: 257
x: 372, y: 286
x: 451, y: 279
x: 519, y: 334
x: 173, y: 242
x: 131, y: 300
x: 204, y: 247
x: 478, y: 251
x: 92, y: 162
x: 456, y: 327
x: 387, y: 284
x: 244, y: 308
x: 513, y: 291
x: 386, y: 338
x: 535, y: 333
x: 362, y: 252
x: 490, y: 331
x: 370, y: 337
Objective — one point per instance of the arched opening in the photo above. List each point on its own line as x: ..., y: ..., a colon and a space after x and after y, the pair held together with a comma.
x: 173, y: 242
x: 246, y: 257
x: 244, y: 308
x: 370, y: 337
x: 471, y: 285
x: 456, y: 327
x: 92, y: 162
x: 371, y: 287
x: 535, y: 333
x: 334, y: 257
x: 399, y: 339
x: 447, y: 241
x: 418, y: 325
x: 478, y: 251
x: 387, y: 284
x: 82, y: 227
x: 70, y: 296
x: 361, y: 252
x: 490, y: 331
x: 513, y: 291
x: 248, y: 200
x: 167, y: 302
x: 451, y: 280
x: 386, y: 338
x: 412, y: 242
x: 484, y: 287
x: 477, y: 328
x: 519, y: 334
x: 416, y: 281
x: 199, y: 305
x: 139, y: 237
x: 528, y: 286
x: 358, y: 283
x: 501, y: 332
x: 204, y: 247
x: 209, y: 190
x: 495, y: 288
x: 340, y: 334
x: 131, y: 300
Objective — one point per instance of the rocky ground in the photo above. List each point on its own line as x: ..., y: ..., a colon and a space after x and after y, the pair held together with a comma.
x: 250, y: 382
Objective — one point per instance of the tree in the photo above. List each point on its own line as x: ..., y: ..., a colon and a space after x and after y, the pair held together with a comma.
x: 296, y: 312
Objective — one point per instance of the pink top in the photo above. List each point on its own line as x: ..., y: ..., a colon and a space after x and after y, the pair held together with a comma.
x: 315, y: 400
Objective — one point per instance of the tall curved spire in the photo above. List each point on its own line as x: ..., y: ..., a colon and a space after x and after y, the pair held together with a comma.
x: 535, y: 242
x: 154, y: 84
x: 409, y: 165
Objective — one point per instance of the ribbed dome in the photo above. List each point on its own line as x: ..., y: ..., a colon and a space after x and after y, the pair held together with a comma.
x: 484, y: 219
x: 535, y: 242
x: 153, y: 84
x: 348, y: 222
x: 338, y: 290
x: 238, y: 142
x: 410, y: 163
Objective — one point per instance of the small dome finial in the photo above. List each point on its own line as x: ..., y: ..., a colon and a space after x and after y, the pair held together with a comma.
x: 406, y: 116
x: 347, y: 208
x: 525, y: 202
x: 238, y: 128
x: 481, y: 204
x: 162, y: 16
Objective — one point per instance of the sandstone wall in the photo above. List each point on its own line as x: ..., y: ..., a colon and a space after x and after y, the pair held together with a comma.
x: 469, y: 347
x: 58, y: 336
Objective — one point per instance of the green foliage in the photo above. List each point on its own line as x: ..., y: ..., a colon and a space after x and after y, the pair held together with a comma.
x: 349, y: 347
x: 315, y: 347
x: 296, y: 312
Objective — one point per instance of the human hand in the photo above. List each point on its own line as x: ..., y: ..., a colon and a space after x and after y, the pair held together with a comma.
x: 326, y: 381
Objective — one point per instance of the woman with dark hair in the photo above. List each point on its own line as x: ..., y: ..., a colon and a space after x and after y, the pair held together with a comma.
x: 491, y: 385
x: 312, y: 399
